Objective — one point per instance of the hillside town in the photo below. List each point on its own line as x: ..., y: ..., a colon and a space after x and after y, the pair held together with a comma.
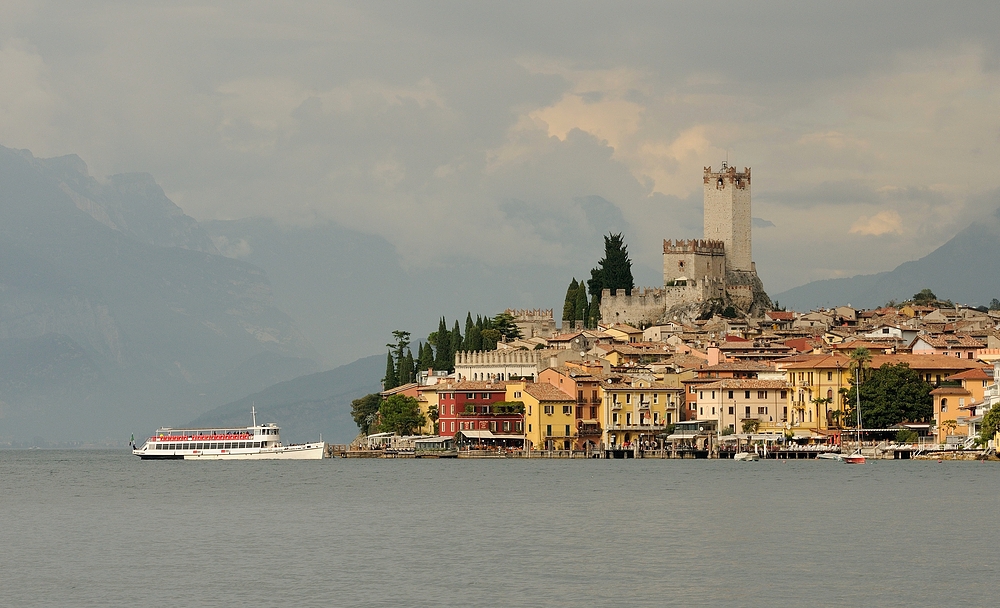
x: 708, y: 366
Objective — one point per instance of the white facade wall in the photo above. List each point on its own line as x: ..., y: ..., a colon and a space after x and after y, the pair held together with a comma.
x: 497, y: 365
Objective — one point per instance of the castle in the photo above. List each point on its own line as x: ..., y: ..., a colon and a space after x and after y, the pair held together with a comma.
x: 702, y: 276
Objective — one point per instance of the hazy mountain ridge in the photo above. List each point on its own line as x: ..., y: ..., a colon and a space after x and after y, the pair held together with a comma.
x: 307, y: 406
x: 962, y: 269
x: 162, y: 324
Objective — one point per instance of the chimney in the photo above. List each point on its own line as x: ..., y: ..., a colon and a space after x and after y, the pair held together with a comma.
x: 714, y: 354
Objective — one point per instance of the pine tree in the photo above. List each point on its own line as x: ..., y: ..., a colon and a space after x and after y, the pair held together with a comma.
x: 389, y: 382
x: 615, y: 270
x: 569, y: 307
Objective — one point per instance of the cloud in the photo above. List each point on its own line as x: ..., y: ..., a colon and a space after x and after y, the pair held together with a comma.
x: 883, y: 222
x: 472, y: 134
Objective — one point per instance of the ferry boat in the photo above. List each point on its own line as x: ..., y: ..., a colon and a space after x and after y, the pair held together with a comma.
x: 256, y: 442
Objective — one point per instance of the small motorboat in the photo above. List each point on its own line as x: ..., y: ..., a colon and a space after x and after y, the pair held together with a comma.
x: 750, y: 456
x: 830, y: 456
x: 854, y: 458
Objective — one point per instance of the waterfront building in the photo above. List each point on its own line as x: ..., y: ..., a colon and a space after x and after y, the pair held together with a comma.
x: 638, y: 410
x: 471, y: 406
x: 585, y: 386
x: 548, y: 415
x: 953, y: 399
x: 735, y: 401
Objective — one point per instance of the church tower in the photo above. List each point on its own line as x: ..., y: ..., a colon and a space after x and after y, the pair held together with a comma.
x: 727, y: 214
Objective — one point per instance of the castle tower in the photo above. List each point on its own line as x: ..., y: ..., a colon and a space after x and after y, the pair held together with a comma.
x: 727, y: 214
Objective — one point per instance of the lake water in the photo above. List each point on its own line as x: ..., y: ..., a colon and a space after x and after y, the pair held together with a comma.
x: 87, y: 528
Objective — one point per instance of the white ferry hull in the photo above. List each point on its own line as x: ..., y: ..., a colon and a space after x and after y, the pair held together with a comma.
x: 309, y: 451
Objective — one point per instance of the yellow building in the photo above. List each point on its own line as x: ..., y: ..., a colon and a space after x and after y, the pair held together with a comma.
x: 818, y: 383
x: 638, y: 410
x: 549, y: 423
x: 953, y: 401
x: 427, y: 399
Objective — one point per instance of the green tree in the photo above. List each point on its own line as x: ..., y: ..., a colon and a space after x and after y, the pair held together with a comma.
x: 991, y: 423
x: 407, y: 368
x: 924, y: 296
x: 401, y: 415
x: 994, y: 304
x: 364, y: 411
x: 433, y: 414
x: 891, y: 394
x: 594, y: 312
x: 504, y: 323
x: 569, y: 305
x: 389, y: 381
x: 456, y: 344
x: 581, y: 304
x: 615, y: 270
x: 443, y: 357
x: 425, y: 359
x: 473, y: 339
x: 861, y: 359
x: 490, y: 339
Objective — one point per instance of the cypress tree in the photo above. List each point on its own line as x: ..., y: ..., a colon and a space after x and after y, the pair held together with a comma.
x: 474, y: 339
x: 407, y: 369
x: 468, y: 330
x: 443, y: 358
x: 426, y: 357
x: 581, y: 303
x: 569, y: 306
x: 456, y: 343
x: 594, y: 313
x: 389, y: 382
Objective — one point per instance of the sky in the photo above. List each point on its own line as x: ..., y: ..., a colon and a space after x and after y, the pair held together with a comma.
x: 503, y: 133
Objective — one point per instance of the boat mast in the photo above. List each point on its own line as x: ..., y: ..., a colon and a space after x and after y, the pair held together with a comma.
x: 253, y: 412
x: 857, y: 393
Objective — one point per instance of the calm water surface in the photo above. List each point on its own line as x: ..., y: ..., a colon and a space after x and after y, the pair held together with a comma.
x: 104, y: 528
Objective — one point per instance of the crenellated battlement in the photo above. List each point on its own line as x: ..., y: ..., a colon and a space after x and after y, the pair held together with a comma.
x: 728, y: 176
x: 530, y: 314
x: 705, y: 246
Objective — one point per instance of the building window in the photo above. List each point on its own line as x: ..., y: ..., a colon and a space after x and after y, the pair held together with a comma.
x: 567, y: 431
x: 656, y: 417
x: 628, y: 397
x: 701, y: 411
x: 746, y: 411
x: 529, y: 428
x: 506, y: 426
x: 579, y: 395
x: 762, y: 410
x: 517, y: 394
x: 731, y: 408
x: 550, y: 409
x: 829, y: 376
x: 452, y: 409
x: 713, y: 411
x: 746, y: 394
x: 452, y: 426
x: 548, y: 430
x: 567, y: 410
x: 762, y: 394
x: 656, y: 398
x: 713, y: 394
x: 730, y: 394
x: 944, y: 405
x: 701, y: 394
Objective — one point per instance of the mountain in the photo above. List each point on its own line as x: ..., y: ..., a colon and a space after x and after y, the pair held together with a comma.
x: 116, y: 311
x: 307, y: 406
x: 961, y: 270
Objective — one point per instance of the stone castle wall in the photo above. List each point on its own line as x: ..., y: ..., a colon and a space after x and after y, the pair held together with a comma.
x: 648, y: 305
x: 693, y: 259
x: 534, y: 322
